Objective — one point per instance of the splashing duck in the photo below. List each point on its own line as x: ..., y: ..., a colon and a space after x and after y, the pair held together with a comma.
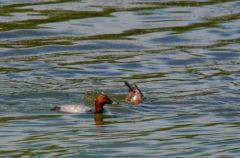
x: 135, y: 95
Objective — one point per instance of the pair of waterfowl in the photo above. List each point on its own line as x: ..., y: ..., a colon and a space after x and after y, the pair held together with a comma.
x: 134, y: 96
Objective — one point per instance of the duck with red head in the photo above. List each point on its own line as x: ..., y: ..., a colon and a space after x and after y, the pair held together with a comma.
x: 100, y: 101
x: 135, y: 95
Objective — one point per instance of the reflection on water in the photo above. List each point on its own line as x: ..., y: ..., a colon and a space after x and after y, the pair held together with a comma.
x: 183, y: 54
x: 99, y: 120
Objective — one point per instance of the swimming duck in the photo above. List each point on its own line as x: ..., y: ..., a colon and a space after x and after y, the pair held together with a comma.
x: 100, y: 101
x: 135, y: 95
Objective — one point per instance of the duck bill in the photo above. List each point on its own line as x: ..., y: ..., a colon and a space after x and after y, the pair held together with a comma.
x: 112, y: 102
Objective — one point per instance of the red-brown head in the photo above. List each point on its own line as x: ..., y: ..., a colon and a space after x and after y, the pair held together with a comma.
x: 100, y: 101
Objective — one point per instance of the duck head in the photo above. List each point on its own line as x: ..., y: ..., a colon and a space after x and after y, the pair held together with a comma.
x: 100, y: 101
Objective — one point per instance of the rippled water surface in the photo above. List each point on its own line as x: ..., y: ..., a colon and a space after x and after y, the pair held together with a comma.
x: 184, y: 55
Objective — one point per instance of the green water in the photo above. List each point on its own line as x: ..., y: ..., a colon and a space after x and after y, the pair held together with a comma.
x: 184, y: 55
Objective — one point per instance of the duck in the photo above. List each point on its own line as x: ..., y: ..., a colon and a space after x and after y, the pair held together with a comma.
x: 100, y: 101
x: 135, y: 95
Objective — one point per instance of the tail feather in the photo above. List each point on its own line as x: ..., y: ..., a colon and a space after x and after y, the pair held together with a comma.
x: 128, y: 85
x: 138, y: 89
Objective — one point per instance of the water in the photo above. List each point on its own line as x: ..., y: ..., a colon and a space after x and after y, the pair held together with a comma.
x: 184, y: 55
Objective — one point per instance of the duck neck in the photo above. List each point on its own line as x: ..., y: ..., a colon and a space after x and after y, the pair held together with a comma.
x: 98, y: 107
